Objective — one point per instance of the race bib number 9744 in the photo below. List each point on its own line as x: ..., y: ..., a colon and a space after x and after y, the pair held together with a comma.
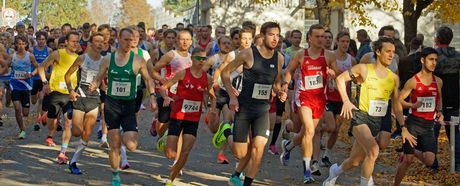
x: 190, y: 106
x: 121, y: 88
x: 261, y: 91
x: 378, y: 108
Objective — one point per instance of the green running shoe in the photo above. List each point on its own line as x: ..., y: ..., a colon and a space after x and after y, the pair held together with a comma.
x: 219, y: 138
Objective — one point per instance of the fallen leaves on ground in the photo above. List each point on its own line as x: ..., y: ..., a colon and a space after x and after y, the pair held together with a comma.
x: 418, y: 173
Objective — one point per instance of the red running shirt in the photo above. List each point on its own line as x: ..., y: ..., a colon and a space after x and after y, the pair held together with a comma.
x: 313, y: 74
x: 428, y: 95
x: 190, y: 92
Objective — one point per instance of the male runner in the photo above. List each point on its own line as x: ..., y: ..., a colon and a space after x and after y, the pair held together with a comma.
x: 261, y: 73
x: 174, y: 61
x: 85, y: 102
x: 122, y: 67
x: 332, y: 120
x: 310, y: 100
x: 20, y: 82
x: 378, y: 84
x: 57, y: 95
x: 193, y: 85
x: 425, y: 103
x: 41, y: 52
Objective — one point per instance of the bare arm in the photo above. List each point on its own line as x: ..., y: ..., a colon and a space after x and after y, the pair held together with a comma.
x: 225, y: 76
x: 51, y: 59
x: 34, y: 63
x: 366, y: 59
x: 104, y: 67
x: 72, y: 70
x: 165, y: 60
x: 164, y: 88
x: 293, y: 65
x: 143, y: 69
x: 277, y: 84
x: 405, y: 92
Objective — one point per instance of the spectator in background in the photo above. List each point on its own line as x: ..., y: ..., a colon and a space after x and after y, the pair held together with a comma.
x: 164, y: 27
x: 400, y: 48
x: 179, y: 26
x: 365, y: 46
x: 287, y: 39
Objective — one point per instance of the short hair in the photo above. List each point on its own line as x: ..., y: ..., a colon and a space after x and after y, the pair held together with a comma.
x: 50, y: 40
x: 95, y: 35
x: 197, y: 50
x: 267, y: 25
x: 415, y: 43
x: 444, y: 35
x: 329, y: 32
x: 387, y: 27
x: 295, y: 31
x: 234, y: 33
x: 41, y: 33
x: 341, y: 34
x: 103, y: 26
x: 179, y: 24
x: 141, y: 24
x: 378, y: 45
x: 62, y: 39
x: 427, y: 51
x: 185, y: 30
x: 169, y: 31
x: 246, y: 30
x: 86, y: 26
x: 22, y: 38
x: 223, y: 37
x: 315, y: 27
x: 66, y: 24
x: 362, y: 32
x: 71, y: 33
x: 126, y: 29
x: 248, y: 24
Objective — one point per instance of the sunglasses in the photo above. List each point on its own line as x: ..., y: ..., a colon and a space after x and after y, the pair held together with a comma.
x: 199, y: 58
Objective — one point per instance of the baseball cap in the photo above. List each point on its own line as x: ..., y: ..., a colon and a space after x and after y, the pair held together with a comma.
x: 20, y: 23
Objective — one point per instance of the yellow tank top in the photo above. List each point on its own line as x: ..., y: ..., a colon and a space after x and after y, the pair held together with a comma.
x: 57, y: 81
x: 375, y: 92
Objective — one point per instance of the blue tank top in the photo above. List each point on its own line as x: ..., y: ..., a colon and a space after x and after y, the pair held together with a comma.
x: 40, y: 56
x: 19, y: 69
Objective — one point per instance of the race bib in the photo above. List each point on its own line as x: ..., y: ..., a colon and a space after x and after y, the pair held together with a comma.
x: 428, y: 104
x: 313, y: 82
x: 378, y: 108
x: 91, y: 76
x: 62, y: 85
x: 173, y: 89
x: 331, y: 84
x: 20, y: 74
x: 190, y: 106
x: 261, y: 91
x: 121, y: 88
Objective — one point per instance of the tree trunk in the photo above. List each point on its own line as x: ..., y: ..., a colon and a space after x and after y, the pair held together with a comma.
x: 411, y: 12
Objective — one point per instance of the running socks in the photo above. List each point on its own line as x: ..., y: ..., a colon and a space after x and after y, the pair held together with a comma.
x: 366, y: 181
x: 124, y: 157
x: 237, y: 174
x: 306, y: 164
x: 248, y: 181
x: 276, y: 132
x: 104, y: 138
x: 80, y: 148
x: 64, y: 147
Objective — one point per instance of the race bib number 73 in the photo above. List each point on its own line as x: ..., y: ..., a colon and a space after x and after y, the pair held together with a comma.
x: 378, y: 108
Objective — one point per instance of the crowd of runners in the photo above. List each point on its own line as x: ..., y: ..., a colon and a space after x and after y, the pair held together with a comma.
x: 248, y: 84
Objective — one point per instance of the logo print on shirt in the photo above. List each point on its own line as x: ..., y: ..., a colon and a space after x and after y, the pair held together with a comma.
x: 127, y: 71
x: 272, y: 66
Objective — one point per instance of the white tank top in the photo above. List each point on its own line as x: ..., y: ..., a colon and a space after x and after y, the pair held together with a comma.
x: 88, y: 73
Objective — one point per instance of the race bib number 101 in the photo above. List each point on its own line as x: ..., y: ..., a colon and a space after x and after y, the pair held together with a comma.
x: 121, y: 88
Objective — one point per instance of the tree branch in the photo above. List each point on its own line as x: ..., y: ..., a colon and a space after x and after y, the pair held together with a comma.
x: 421, y: 4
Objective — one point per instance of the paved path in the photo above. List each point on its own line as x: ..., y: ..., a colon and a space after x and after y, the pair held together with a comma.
x: 30, y: 162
